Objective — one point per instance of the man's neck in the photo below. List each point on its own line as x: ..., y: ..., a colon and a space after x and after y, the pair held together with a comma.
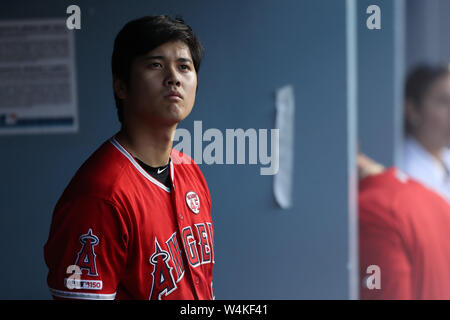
x: 434, y: 150
x: 151, y: 145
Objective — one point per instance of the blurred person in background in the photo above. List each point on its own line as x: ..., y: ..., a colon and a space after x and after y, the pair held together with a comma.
x: 426, y: 156
x: 403, y: 234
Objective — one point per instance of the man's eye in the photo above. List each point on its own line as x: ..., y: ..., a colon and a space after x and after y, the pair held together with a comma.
x: 155, y: 65
x: 443, y: 100
x: 185, y: 67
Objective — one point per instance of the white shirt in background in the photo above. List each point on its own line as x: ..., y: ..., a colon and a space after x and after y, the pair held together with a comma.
x: 418, y: 163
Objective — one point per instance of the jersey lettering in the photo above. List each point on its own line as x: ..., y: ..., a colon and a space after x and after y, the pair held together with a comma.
x: 211, y: 238
x: 163, y: 282
x: 190, y: 247
x: 205, y: 248
x: 175, y: 253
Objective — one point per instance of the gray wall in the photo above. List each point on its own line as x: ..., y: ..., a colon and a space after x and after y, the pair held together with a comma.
x: 252, y: 47
x: 380, y: 81
x: 427, y: 31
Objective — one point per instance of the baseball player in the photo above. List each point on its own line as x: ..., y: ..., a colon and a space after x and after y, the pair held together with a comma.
x: 135, y: 220
x: 403, y: 232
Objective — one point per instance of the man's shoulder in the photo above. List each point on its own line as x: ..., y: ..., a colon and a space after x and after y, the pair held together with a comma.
x: 389, y: 181
x: 397, y: 193
x: 379, y: 194
x: 179, y: 157
x: 184, y: 162
x: 189, y: 171
x: 100, y: 174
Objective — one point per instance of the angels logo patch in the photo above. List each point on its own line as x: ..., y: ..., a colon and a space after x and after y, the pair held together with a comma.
x: 193, y: 202
x: 86, y: 256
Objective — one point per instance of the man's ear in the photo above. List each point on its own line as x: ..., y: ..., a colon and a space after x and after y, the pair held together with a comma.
x: 120, y: 88
x: 411, y: 113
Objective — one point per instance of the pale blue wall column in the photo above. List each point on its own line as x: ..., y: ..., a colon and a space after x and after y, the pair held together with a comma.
x: 352, y: 134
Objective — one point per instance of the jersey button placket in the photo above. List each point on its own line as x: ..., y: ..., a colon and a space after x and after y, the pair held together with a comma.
x: 176, y: 208
x: 179, y: 206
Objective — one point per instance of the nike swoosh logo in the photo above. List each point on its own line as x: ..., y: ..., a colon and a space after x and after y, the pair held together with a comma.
x: 161, y: 170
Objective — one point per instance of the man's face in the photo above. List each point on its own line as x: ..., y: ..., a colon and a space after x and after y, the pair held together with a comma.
x: 435, y: 113
x: 161, y: 87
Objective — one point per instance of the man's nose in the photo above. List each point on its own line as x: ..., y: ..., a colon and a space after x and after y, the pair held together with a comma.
x: 172, y: 78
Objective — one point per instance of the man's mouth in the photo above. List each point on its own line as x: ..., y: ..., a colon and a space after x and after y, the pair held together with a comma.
x: 173, y: 95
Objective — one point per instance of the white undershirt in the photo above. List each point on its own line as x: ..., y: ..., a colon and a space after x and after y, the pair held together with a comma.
x: 418, y: 163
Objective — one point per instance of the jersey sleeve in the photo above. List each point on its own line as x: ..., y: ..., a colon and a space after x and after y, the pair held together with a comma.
x: 86, y: 251
x: 385, y: 269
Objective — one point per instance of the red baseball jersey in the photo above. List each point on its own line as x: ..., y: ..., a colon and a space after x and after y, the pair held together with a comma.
x: 404, y: 239
x: 117, y: 232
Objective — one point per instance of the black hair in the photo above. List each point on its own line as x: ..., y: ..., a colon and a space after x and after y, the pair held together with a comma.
x: 142, y: 35
x: 418, y: 84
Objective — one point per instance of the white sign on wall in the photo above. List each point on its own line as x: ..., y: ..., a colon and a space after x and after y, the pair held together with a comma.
x: 37, y: 77
x: 285, y: 122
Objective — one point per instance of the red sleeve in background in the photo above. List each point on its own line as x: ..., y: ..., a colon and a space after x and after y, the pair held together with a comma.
x: 385, y: 267
x: 381, y: 246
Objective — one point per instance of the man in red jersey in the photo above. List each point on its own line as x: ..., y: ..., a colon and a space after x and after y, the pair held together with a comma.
x: 135, y: 220
x: 404, y: 236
